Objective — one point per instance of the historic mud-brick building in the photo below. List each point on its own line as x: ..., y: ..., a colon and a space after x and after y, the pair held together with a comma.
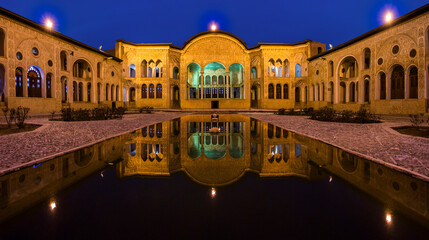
x: 385, y: 70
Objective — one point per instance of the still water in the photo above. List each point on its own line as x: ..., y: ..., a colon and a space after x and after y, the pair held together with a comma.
x: 177, y: 180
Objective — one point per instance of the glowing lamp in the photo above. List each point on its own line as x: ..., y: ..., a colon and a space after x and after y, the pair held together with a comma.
x: 53, y: 205
x: 49, y: 24
x: 213, y: 27
x: 388, y: 17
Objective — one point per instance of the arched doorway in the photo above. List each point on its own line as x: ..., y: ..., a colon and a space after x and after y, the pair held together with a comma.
x: 176, y: 97
x: 297, y: 95
x: 254, y: 97
x: 34, y: 82
x: 397, y: 82
x: 132, y: 97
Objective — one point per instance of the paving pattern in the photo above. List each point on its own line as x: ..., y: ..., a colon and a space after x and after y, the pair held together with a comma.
x: 377, y: 141
x: 55, y: 138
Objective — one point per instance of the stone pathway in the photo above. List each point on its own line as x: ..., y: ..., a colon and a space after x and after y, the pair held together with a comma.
x: 56, y: 138
x: 377, y: 141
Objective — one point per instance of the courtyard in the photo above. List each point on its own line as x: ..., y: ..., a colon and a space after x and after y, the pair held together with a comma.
x: 377, y: 142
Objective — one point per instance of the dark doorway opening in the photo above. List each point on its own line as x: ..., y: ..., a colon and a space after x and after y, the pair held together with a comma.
x: 215, y: 104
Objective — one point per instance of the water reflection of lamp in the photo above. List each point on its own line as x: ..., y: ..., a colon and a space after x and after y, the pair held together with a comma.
x: 388, y: 217
x: 213, y: 192
x: 53, y: 205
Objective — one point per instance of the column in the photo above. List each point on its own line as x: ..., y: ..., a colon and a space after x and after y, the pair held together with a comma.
x: 227, y: 86
x: 202, y: 82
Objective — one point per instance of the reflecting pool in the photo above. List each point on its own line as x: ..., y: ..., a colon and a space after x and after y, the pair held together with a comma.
x: 182, y: 179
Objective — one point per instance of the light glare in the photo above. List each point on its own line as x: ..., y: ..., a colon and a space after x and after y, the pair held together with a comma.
x: 213, y: 27
x: 213, y: 192
x: 53, y: 205
x: 49, y: 23
x: 389, y: 17
x: 388, y: 218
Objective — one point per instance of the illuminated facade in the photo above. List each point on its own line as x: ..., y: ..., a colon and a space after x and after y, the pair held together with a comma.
x: 385, y: 70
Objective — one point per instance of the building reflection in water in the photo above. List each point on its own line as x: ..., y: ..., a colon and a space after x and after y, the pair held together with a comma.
x: 214, y: 160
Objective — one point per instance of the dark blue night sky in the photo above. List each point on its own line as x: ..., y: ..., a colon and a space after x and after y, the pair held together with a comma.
x: 102, y: 22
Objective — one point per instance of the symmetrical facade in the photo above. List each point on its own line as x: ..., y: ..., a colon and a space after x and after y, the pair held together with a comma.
x: 385, y: 70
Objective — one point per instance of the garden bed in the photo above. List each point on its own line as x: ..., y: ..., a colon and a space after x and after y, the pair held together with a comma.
x: 5, y: 130
x: 413, y: 131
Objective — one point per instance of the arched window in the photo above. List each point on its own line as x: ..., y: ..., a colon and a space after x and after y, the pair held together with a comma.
x: 382, y: 85
x: 414, y: 82
x: 175, y: 72
x: 19, y: 88
x: 367, y: 58
x: 285, y: 91
x: 133, y: 149
x: 150, y: 72
x: 80, y: 91
x: 397, y: 83
x: 297, y: 94
x: 207, y: 80
x: 342, y: 92
x: 254, y: 72
x: 278, y: 91
x: 88, y: 92
x: 157, y: 72
x: 75, y: 96
x: 63, y: 56
x: 98, y: 92
x: 151, y: 130
x: 352, y: 92
x: 132, y: 70
x: 366, y: 90
x: 271, y: 91
x: 112, y: 91
x: 48, y: 85
x: 270, y: 130
x: 159, y: 130
x: 34, y: 82
x: 319, y: 50
x: 297, y: 70
x: 144, y: 91
x: 107, y: 92
x: 2, y: 43
x: 331, y: 68
x: 214, y: 80
x: 151, y: 91
x: 98, y: 69
x: 331, y: 90
x: 158, y: 91
x: 117, y: 93
x: 221, y: 80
